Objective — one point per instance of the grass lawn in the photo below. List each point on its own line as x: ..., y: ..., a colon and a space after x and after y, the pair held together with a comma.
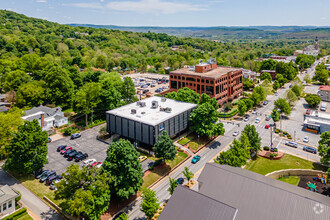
x: 263, y: 166
x: 294, y: 180
x: 40, y: 189
x: 185, y: 140
x: 25, y: 217
x: 161, y: 171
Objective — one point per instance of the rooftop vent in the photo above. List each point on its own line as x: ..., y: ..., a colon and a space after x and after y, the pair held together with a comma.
x: 143, y: 113
x: 163, y: 99
x: 142, y: 104
x: 166, y: 109
x: 133, y: 111
x: 154, y: 104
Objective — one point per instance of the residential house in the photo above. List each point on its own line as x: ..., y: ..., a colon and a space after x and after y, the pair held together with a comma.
x: 233, y: 193
x: 7, y: 200
x: 249, y: 74
x: 48, y: 118
x: 324, y: 93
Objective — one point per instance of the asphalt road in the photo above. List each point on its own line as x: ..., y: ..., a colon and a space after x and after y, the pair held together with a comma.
x: 222, y: 143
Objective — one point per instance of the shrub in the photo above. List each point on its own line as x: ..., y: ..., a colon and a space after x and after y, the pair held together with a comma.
x: 275, y: 150
x: 271, y: 155
x: 17, y: 199
x: 16, y: 215
x: 151, y: 167
x: 157, y: 162
x: 114, y: 140
x: 68, y: 131
x: 277, y: 131
x: 266, y: 148
x: 285, y: 133
x: 289, y: 136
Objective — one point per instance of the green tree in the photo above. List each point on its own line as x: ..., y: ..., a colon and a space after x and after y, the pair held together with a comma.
x: 203, y: 120
x: 276, y: 85
x: 173, y: 185
x: 236, y: 156
x: 101, y: 62
x: 244, y: 139
x: 164, y: 147
x: 296, y: 89
x: 59, y: 86
x: 123, y: 168
x: 9, y: 122
x: 281, y: 79
x: 291, y: 97
x: 187, y: 173
x: 248, y: 84
x: 269, y: 64
x: 110, y: 96
x: 321, y: 76
x: 88, y: 97
x: 14, y: 79
x: 30, y: 94
x: 324, y: 148
x: 265, y: 76
x: 253, y: 137
x: 258, y: 95
x: 123, y: 216
x: 307, y: 78
x: 149, y: 204
x: 27, y: 151
x: 185, y: 95
x: 84, y: 192
x: 128, y: 90
x: 275, y: 115
x: 283, y: 105
x: 313, y: 100
x: 242, y: 108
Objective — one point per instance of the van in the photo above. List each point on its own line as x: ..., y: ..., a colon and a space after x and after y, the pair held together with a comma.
x: 323, y: 106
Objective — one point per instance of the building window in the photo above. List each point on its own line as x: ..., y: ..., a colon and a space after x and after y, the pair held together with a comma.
x: 183, y: 78
x: 207, y: 81
x: 198, y: 80
x: 179, y: 77
x: 202, y: 80
x: 190, y: 79
x: 210, y: 90
x: 173, y: 85
x: 9, y: 204
x: 171, y: 76
x: 183, y: 84
x: 179, y: 85
x: 198, y: 88
x: 174, y: 77
x: 211, y: 81
x: 4, y: 206
x: 202, y: 88
x: 217, y: 89
x: 190, y: 84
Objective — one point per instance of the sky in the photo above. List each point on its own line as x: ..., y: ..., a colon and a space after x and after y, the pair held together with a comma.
x: 176, y: 13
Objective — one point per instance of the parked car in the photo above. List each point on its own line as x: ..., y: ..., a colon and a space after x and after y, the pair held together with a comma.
x: 80, y: 157
x: 142, y: 158
x: 49, y: 139
x: 257, y: 120
x: 52, y: 185
x: 75, y: 135
x: 196, y: 159
x: 39, y: 173
x: 88, y: 162
x: 66, y: 154
x: 246, y: 118
x: 95, y: 164
x: 51, y: 178
x: 66, y: 149
x: 45, y: 176
x: 254, y: 112
x: 306, y: 139
x: 235, y: 133
x: 291, y: 144
x: 145, y: 91
x: 310, y: 149
x: 61, y: 147
x: 276, y: 94
x: 308, y: 112
x: 72, y: 155
x: 267, y: 126
x: 157, y: 90
x: 265, y: 102
x: 268, y: 118
x: 152, y: 85
x: 179, y: 181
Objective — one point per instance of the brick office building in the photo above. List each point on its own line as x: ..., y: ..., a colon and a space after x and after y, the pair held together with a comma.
x: 222, y: 83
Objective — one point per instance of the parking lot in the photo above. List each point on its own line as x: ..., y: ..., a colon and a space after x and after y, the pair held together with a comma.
x: 87, y: 143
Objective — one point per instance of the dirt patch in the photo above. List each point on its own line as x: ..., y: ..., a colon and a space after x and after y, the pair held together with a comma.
x: 323, y: 189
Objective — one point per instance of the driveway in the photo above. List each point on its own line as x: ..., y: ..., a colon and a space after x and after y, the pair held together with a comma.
x: 87, y: 143
x: 29, y: 200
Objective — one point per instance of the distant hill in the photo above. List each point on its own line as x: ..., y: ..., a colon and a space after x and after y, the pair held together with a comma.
x: 223, y: 32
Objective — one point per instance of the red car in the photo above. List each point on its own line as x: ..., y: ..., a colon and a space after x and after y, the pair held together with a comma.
x: 66, y: 149
x: 95, y: 164
x: 267, y: 126
x: 308, y: 112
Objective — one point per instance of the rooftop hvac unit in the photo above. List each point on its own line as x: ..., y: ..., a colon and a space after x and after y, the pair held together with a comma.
x: 133, y: 111
x: 143, y: 113
x: 168, y: 110
x: 143, y: 104
x: 163, y: 99
x: 138, y: 103
x: 154, y: 104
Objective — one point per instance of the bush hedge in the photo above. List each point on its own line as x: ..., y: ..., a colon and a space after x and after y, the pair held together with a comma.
x: 289, y: 136
x: 277, y: 131
x: 266, y: 148
x: 69, y: 130
x: 16, y: 215
x: 230, y: 114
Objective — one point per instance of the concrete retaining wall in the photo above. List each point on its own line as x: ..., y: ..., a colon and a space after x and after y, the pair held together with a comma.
x: 294, y: 172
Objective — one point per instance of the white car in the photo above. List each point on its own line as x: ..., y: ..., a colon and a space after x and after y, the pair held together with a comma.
x: 246, y: 118
x: 257, y: 120
x: 235, y: 133
x: 254, y: 112
x: 306, y: 139
x: 88, y: 162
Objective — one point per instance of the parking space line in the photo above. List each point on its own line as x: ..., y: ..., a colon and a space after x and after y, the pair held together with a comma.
x: 299, y: 150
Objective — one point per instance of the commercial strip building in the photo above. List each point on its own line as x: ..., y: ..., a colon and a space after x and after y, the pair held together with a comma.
x: 324, y: 93
x: 144, y: 120
x: 222, y: 83
x: 317, y: 122
x: 230, y: 193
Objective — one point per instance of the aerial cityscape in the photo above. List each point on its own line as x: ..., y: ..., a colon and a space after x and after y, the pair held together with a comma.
x: 164, y: 109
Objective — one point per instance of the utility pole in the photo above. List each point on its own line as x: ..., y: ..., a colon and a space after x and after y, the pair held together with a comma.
x: 271, y: 137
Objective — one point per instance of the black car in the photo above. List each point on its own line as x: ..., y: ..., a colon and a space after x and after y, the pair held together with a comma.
x: 179, y: 181
x: 38, y: 173
x: 72, y: 154
x: 45, y: 176
x: 61, y: 148
x: 80, y: 157
x: 68, y: 152
x: 52, y: 178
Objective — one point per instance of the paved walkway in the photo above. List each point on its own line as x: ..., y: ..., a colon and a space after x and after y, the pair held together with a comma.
x: 33, y: 203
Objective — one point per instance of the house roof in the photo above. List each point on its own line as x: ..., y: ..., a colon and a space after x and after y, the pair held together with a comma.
x: 6, y: 193
x: 324, y: 88
x: 3, y: 108
x: 189, y: 204
x: 260, y: 197
x: 35, y: 112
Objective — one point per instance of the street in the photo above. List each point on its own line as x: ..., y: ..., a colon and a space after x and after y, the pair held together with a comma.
x: 222, y: 143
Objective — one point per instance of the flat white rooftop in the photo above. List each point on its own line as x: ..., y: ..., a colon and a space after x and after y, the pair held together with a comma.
x: 320, y: 115
x: 149, y: 115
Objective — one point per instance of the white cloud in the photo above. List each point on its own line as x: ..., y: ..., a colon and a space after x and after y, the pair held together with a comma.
x: 101, y: 0
x: 42, y: 1
x: 144, y: 6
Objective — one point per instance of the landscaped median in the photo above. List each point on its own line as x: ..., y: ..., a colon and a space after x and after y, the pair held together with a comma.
x: 193, y: 142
